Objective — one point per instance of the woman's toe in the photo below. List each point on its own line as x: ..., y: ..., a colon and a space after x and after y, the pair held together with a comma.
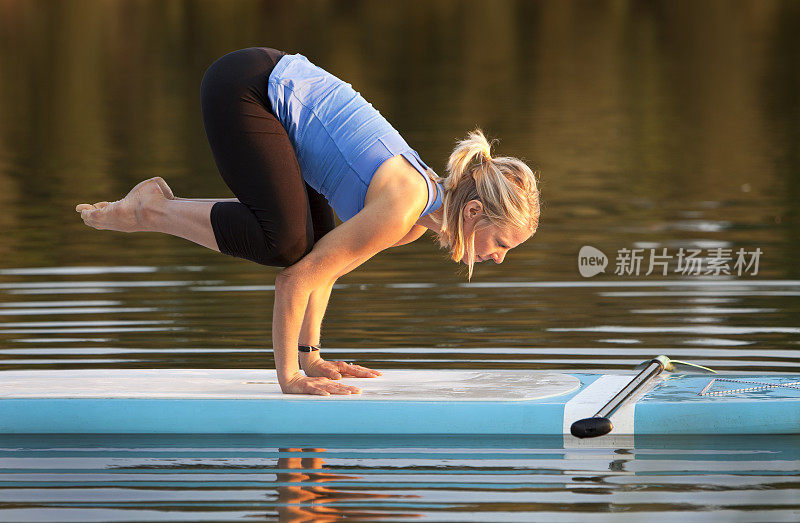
x: 83, y: 207
x: 164, y: 188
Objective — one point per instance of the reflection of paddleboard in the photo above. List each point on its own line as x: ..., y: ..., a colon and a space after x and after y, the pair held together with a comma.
x: 197, y: 401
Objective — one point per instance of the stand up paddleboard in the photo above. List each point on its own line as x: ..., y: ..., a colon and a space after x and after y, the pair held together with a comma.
x: 198, y: 401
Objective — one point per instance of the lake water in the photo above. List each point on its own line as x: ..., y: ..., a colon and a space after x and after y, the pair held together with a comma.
x: 662, y: 126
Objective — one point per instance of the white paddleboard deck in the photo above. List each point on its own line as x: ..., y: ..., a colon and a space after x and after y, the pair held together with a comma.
x: 394, y: 385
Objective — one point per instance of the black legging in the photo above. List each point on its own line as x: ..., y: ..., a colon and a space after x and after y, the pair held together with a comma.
x: 279, y: 217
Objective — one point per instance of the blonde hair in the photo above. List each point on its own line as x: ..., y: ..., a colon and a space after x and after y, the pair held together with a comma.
x: 505, y: 186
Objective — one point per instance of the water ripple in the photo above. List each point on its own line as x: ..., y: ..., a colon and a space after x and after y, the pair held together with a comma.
x: 454, y: 478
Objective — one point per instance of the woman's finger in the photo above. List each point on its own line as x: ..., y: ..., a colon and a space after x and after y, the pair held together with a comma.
x: 333, y: 374
x: 345, y: 388
x: 372, y: 372
x: 338, y: 388
x: 358, y: 371
x: 317, y: 392
x: 319, y: 385
x: 317, y: 389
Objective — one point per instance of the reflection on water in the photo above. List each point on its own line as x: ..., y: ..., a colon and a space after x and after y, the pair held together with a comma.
x: 309, y: 493
x: 654, y: 124
x: 325, y: 478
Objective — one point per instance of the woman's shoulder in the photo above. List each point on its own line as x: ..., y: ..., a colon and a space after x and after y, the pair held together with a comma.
x: 398, y: 181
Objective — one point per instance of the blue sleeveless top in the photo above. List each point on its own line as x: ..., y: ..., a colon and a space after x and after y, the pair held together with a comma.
x: 339, y: 139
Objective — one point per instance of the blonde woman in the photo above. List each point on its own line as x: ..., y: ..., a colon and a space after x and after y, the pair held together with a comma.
x: 294, y: 144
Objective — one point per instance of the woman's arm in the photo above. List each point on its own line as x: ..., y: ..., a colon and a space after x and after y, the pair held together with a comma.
x: 310, y: 331
x: 380, y: 224
x: 413, y: 234
x: 310, y: 334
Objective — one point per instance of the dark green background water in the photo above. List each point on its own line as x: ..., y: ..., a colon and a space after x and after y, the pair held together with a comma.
x: 653, y: 124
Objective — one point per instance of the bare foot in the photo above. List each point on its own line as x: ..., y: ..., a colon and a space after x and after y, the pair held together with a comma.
x: 130, y: 214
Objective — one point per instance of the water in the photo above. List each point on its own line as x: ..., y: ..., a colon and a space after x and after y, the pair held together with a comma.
x: 297, y: 478
x: 654, y: 126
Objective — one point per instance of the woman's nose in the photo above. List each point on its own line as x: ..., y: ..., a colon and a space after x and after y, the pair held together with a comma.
x: 499, y: 257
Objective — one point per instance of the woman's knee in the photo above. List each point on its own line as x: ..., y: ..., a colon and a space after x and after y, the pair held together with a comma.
x: 281, y: 254
x: 239, y: 233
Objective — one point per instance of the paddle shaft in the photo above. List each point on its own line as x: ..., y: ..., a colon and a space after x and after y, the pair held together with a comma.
x: 652, y: 370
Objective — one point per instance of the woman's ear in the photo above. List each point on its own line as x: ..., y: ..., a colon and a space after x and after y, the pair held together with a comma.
x: 473, y: 210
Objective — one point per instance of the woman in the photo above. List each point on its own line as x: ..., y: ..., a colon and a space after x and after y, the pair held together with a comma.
x: 287, y: 136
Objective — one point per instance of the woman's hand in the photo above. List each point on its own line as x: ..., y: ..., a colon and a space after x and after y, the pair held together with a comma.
x: 336, y: 369
x: 299, y: 384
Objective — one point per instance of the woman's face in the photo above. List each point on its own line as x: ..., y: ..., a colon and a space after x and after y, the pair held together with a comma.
x: 491, y: 242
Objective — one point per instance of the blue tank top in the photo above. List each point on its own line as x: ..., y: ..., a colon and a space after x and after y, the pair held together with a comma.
x: 339, y: 139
